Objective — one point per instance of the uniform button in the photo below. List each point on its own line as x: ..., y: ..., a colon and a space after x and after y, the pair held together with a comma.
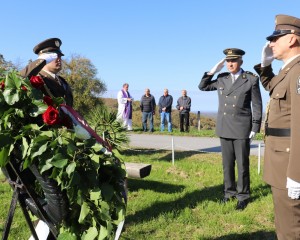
x: 234, y: 96
x: 277, y: 94
x: 226, y: 96
x: 233, y: 105
x: 225, y: 104
x: 288, y: 149
x: 224, y: 113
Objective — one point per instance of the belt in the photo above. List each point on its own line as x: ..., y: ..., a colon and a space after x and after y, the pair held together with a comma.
x: 278, y: 132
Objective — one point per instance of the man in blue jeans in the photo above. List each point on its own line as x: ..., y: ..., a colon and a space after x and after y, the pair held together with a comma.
x: 148, y: 109
x: 165, y: 108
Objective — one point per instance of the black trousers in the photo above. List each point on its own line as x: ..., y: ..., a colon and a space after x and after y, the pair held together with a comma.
x: 184, y: 121
x: 236, y: 150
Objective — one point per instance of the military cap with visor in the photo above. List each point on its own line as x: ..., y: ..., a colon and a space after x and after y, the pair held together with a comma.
x: 233, y: 53
x: 285, y: 24
x: 49, y: 45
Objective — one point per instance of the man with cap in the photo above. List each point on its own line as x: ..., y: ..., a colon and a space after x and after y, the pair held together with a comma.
x: 237, y: 122
x: 48, y: 65
x: 282, y: 124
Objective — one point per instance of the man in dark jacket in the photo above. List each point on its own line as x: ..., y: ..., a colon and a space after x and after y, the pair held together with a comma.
x: 148, y: 109
x: 237, y: 122
x: 165, y: 108
x: 184, y: 107
x: 48, y: 65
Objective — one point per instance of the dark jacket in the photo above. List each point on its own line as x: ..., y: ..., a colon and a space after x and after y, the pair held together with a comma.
x: 165, y: 102
x: 236, y: 119
x: 58, y: 86
x: 184, y: 102
x: 148, y: 103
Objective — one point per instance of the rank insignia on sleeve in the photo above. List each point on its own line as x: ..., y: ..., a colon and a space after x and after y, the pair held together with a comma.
x: 298, y: 85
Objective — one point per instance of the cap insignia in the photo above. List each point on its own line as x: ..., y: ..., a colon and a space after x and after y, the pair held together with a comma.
x: 57, y: 43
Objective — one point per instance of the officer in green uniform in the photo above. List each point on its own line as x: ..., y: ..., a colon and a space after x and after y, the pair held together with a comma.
x: 282, y: 126
x: 48, y: 65
x: 237, y: 122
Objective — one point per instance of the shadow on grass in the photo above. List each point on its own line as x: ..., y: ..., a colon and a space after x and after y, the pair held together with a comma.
x: 142, y: 151
x: 191, y: 200
x: 178, y: 156
x: 247, y: 236
x: 136, y: 184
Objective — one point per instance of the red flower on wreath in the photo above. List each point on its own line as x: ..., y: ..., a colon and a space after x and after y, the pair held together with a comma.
x: 24, y: 88
x: 48, y: 100
x: 51, y: 116
x: 37, y: 81
x: 2, y: 85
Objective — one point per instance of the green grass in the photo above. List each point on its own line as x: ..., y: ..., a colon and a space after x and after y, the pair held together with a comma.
x: 181, y: 201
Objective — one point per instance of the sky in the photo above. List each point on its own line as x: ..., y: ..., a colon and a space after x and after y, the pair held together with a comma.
x: 152, y: 44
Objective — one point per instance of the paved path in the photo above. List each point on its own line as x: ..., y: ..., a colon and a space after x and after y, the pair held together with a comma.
x: 184, y: 143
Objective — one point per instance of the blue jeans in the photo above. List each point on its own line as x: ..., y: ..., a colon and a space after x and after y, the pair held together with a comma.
x: 145, y: 117
x: 163, y: 116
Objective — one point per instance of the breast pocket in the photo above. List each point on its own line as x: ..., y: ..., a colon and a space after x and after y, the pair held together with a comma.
x: 279, y: 101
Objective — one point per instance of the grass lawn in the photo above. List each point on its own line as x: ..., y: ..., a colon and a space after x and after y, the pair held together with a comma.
x: 180, y: 201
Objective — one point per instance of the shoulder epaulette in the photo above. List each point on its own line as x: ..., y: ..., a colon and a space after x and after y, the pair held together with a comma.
x: 223, y: 74
x: 251, y: 73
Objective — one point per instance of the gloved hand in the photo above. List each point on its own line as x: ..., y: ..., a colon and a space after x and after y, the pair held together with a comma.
x: 49, y: 57
x: 293, y: 188
x: 252, y: 135
x: 217, y: 67
x: 266, y: 55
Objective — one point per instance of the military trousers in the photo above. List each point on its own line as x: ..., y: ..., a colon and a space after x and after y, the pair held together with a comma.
x: 287, y: 215
x: 236, y: 151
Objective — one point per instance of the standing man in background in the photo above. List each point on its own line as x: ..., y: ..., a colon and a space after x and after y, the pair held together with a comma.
x: 237, y: 123
x: 125, y: 107
x: 184, y: 107
x: 165, y: 109
x: 282, y: 125
x: 147, y: 106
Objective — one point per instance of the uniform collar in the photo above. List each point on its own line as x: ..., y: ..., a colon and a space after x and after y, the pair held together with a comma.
x: 50, y: 73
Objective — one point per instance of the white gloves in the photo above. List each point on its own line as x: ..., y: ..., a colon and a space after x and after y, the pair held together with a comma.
x: 252, y: 135
x: 217, y: 67
x: 293, y: 188
x: 49, y: 57
x: 266, y: 55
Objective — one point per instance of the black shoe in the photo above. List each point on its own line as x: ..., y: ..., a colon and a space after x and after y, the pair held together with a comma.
x: 225, y: 200
x: 241, y: 205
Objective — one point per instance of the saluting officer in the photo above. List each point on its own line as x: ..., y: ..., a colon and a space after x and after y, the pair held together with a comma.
x: 237, y: 122
x: 48, y: 65
x: 282, y: 149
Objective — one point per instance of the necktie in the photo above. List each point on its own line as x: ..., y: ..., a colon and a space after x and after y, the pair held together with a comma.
x: 233, y: 78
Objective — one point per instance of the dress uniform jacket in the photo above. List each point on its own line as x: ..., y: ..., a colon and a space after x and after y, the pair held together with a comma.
x: 235, y: 118
x: 281, y: 159
x: 58, y: 86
